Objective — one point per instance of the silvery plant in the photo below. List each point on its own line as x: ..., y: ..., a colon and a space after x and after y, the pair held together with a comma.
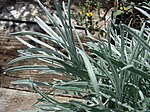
x: 107, y: 77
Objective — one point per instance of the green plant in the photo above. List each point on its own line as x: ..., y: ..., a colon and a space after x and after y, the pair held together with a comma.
x: 89, y: 15
x: 117, y: 78
x: 133, y: 12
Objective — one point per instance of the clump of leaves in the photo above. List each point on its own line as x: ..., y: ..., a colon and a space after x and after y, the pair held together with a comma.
x: 116, y: 79
x: 90, y: 14
x: 132, y: 12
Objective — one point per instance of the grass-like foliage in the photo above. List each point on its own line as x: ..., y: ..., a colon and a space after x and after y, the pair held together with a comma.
x: 116, y: 79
